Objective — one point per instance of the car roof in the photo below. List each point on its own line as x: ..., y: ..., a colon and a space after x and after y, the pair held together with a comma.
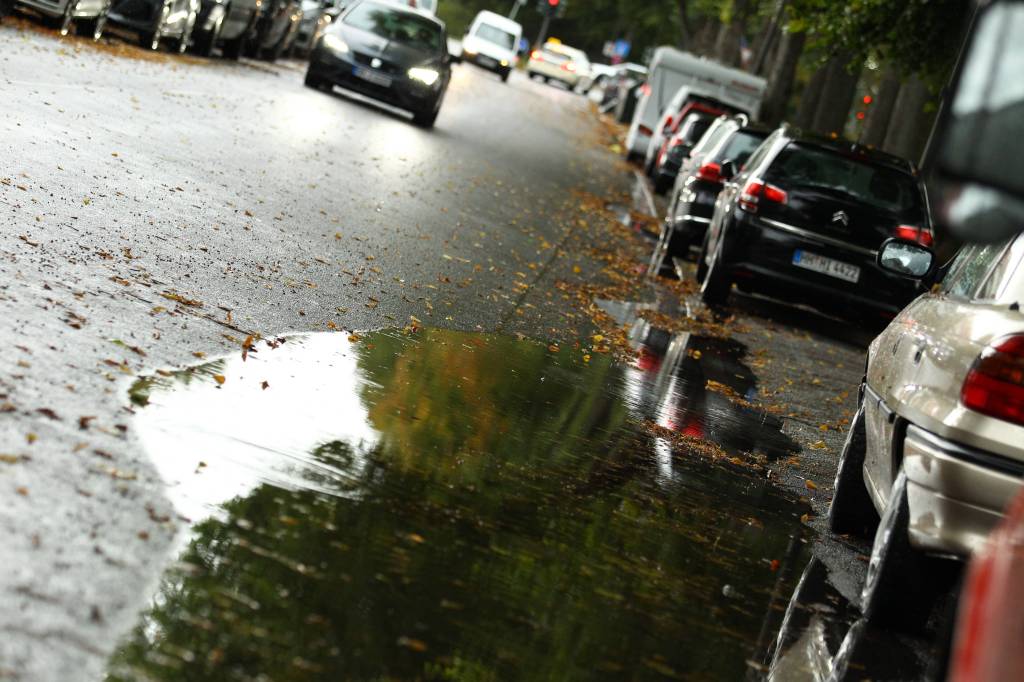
x: 497, y: 20
x: 852, y: 150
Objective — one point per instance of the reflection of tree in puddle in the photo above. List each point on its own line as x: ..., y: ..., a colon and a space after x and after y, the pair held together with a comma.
x: 509, y: 524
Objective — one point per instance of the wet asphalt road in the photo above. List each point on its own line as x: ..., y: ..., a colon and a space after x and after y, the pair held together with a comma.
x: 157, y: 211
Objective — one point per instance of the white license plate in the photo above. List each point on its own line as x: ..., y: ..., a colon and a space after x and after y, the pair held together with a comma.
x: 374, y: 77
x: 826, y: 266
x: 486, y: 61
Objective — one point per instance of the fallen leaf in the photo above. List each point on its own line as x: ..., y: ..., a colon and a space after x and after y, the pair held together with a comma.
x: 811, y: 485
x: 219, y: 378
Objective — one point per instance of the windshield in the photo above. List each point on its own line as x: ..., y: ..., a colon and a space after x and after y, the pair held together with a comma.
x: 694, y: 127
x: 739, y: 147
x: 881, y: 186
x: 400, y: 27
x: 495, y: 35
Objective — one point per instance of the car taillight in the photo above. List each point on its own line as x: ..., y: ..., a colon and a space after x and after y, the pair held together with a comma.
x: 710, y: 171
x: 995, y: 384
x: 757, y: 190
x: 644, y: 130
x: 536, y: 56
x: 568, y: 66
x: 921, y: 235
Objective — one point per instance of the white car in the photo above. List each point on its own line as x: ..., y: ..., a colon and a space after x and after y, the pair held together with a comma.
x: 937, y: 445
x: 557, y: 62
x: 491, y: 43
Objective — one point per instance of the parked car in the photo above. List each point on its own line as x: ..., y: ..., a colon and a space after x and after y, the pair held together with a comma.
x: 557, y: 62
x: 491, y: 43
x: 670, y: 158
x: 87, y: 17
x: 937, y: 444
x: 670, y: 71
x: 316, y: 17
x: 685, y: 102
x: 276, y: 29
x: 692, y: 202
x: 803, y: 220
x: 225, y: 24
x: 396, y: 55
x: 155, y: 20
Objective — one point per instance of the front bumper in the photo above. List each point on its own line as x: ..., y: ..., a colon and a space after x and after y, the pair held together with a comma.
x: 956, y: 494
x: 403, y: 92
x: 486, y: 62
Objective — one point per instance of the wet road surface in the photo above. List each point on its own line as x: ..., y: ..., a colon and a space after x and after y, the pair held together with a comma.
x: 444, y: 505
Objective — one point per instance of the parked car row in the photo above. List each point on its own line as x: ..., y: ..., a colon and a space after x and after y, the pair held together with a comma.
x: 935, y: 452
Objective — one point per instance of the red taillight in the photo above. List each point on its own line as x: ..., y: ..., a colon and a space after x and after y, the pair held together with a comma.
x: 995, y: 384
x: 536, y: 56
x: 710, y: 171
x: 921, y: 235
x: 644, y: 130
x: 569, y: 66
x: 757, y: 190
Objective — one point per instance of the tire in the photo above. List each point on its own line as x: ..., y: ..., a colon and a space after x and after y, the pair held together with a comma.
x: 205, y: 41
x: 150, y: 40
x: 314, y: 81
x: 93, y: 28
x: 662, y: 184
x: 426, y: 119
x: 233, y: 49
x: 504, y: 75
x: 67, y: 21
x: 852, y: 512
x: 715, y: 283
x: 899, y: 589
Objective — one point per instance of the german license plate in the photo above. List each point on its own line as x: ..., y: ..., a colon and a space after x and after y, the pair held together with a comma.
x: 826, y: 266
x: 372, y: 76
x: 486, y: 61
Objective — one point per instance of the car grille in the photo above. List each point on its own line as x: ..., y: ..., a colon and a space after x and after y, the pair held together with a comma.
x: 385, y: 66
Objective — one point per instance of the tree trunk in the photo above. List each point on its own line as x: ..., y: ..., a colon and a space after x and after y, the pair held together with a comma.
x: 836, y: 96
x: 880, y: 111
x: 769, y: 36
x: 781, y: 77
x: 685, y: 34
x: 727, y: 45
x: 704, y: 39
x: 809, y: 99
x: 910, y: 124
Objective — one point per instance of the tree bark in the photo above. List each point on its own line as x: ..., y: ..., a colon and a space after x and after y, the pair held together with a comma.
x: 782, y: 76
x: 880, y: 111
x: 910, y: 124
x: 769, y: 37
x: 836, y: 96
x: 727, y: 45
x: 809, y: 98
x: 685, y: 33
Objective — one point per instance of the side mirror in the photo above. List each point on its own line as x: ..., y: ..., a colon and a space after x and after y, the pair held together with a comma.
x: 728, y: 171
x: 907, y: 259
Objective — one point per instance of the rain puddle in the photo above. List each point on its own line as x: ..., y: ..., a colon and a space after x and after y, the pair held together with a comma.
x: 455, y: 506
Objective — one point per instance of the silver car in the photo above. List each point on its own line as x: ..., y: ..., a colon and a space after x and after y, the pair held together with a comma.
x: 937, y: 445
x: 87, y: 17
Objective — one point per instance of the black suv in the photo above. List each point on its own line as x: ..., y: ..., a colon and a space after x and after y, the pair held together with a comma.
x: 678, y: 147
x: 804, y: 220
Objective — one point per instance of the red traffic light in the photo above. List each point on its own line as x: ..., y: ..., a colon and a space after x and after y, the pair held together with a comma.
x: 553, y: 3
x: 868, y: 99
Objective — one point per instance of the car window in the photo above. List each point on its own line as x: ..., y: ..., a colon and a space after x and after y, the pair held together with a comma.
x: 714, y: 134
x: 969, y: 269
x: 553, y: 56
x: 761, y: 153
x: 1003, y: 271
x: 400, y: 27
x: 493, y: 34
x: 737, y: 148
x: 832, y: 172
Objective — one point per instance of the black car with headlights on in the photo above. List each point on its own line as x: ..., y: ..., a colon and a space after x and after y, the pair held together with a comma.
x: 396, y: 55
x: 803, y: 220
x: 697, y: 185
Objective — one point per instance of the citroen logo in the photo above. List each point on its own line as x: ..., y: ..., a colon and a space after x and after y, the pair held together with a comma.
x: 841, y: 217
x: 375, y: 63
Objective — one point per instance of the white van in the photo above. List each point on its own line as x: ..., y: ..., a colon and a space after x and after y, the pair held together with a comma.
x: 670, y: 71
x: 491, y: 42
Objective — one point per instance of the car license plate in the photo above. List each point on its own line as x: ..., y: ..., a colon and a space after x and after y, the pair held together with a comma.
x: 374, y: 77
x: 826, y: 266
x: 486, y: 61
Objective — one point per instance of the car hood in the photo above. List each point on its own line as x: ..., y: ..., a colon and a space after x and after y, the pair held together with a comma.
x: 372, y: 45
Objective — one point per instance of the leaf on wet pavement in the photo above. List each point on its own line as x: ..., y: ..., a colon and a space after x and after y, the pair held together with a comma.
x: 178, y: 298
x: 219, y: 378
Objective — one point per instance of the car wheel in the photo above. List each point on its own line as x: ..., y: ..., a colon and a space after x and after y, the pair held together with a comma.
x: 852, y: 512
x: 897, y: 588
x: 205, y: 41
x: 427, y: 117
x: 233, y: 49
x: 93, y: 28
x: 67, y: 20
x: 151, y: 39
x: 504, y: 75
x: 314, y: 81
x: 662, y: 184
x: 714, y: 283
x: 186, y: 33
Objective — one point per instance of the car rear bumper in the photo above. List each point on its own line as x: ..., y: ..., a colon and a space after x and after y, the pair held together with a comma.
x: 764, y: 250
x: 403, y: 91
x: 554, y: 72
x: 956, y: 494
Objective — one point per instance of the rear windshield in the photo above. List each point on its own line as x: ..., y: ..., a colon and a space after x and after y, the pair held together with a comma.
x: 495, y: 35
x: 400, y: 27
x: 739, y: 147
x: 881, y: 186
x: 552, y: 56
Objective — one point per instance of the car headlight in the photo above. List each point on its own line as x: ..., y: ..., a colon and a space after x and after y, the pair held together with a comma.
x: 427, y: 76
x: 334, y: 43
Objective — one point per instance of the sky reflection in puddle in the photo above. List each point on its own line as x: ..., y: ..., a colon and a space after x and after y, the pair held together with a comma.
x: 458, y: 506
